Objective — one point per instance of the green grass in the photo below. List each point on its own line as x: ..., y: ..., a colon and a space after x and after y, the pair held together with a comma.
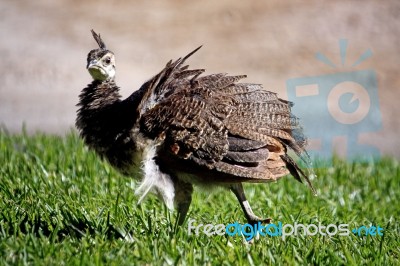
x: 59, y: 204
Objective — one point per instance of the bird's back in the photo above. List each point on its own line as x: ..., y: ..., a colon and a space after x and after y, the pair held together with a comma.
x: 218, y: 128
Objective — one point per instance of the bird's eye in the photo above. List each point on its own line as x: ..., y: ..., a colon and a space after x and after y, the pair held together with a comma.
x: 107, y: 60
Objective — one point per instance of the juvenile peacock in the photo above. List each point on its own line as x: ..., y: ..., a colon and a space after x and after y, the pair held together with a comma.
x: 182, y: 129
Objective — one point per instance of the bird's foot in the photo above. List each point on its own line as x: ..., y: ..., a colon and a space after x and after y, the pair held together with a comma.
x: 253, y: 219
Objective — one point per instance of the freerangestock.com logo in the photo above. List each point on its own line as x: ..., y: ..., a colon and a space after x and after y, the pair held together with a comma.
x: 281, y: 230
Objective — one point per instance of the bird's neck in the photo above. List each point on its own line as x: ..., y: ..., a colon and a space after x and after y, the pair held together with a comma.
x: 99, y: 95
x: 103, y: 118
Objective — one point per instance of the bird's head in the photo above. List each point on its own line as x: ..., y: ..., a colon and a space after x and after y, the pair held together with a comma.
x: 101, y: 61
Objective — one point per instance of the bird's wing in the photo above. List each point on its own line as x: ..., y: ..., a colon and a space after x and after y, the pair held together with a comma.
x: 238, y: 130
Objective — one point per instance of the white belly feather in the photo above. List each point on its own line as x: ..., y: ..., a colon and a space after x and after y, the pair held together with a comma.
x: 154, y: 179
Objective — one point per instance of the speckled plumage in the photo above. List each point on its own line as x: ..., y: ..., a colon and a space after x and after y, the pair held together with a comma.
x: 181, y: 128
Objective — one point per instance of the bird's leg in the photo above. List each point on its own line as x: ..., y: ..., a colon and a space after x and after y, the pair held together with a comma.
x: 237, y: 189
x: 183, y: 198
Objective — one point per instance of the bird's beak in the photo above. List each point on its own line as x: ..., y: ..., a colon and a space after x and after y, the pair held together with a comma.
x: 92, y: 64
x: 96, y: 70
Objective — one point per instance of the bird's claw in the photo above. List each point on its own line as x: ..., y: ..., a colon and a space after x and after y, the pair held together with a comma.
x: 256, y: 220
